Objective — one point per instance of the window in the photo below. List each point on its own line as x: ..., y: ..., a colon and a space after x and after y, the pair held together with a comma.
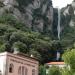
x: 33, y: 72
x: 22, y: 70
x: 19, y: 71
x: 26, y: 71
x: 11, y: 67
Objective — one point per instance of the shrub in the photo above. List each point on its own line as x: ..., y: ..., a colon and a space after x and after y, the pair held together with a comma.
x: 54, y: 70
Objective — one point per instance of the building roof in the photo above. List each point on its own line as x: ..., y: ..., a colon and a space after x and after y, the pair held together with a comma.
x: 56, y: 63
x: 21, y: 55
x: 25, y: 55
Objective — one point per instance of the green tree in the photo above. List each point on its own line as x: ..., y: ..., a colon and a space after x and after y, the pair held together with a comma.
x: 66, y: 71
x: 69, y: 58
x: 21, y: 47
x: 54, y: 70
x: 42, y: 70
x: 2, y: 48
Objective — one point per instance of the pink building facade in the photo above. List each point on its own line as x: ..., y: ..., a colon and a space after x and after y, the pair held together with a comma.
x: 12, y: 64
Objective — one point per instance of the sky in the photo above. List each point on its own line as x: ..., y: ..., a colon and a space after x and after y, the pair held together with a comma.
x: 61, y: 3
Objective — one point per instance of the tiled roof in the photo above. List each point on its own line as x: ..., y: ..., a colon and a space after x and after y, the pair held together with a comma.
x: 56, y: 63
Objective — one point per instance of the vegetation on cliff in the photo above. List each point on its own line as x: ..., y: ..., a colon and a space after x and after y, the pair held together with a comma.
x: 15, y: 36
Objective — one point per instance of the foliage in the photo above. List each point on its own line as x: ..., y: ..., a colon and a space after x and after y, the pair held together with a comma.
x: 54, y: 70
x: 68, y: 30
x: 21, y: 47
x: 2, y: 48
x: 8, y: 18
x: 27, y: 42
x: 42, y: 70
x: 66, y: 71
x: 69, y: 58
x: 14, y: 35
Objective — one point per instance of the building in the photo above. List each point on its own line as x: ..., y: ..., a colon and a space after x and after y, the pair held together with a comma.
x: 17, y: 64
x: 59, y: 64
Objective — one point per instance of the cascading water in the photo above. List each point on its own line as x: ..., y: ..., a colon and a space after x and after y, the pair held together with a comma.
x: 58, y: 56
x: 58, y: 30
x: 58, y: 26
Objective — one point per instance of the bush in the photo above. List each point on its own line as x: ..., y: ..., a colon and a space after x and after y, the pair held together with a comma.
x: 66, y: 71
x: 69, y: 58
x: 42, y: 70
x: 54, y: 70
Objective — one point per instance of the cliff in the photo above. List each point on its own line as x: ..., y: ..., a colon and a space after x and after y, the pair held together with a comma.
x: 68, y: 24
x: 35, y: 14
x: 69, y: 14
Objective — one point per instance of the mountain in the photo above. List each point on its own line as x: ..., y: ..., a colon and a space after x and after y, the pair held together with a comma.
x: 30, y: 26
x: 68, y: 24
x: 23, y: 24
x: 35, y: 14
x: 69, y: 14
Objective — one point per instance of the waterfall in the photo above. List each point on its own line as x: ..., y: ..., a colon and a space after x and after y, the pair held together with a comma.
x: 58, y: 56
x: 58, y: 27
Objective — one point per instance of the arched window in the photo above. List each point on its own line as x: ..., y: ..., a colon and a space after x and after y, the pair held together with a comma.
x: 22, y: 70
x: 11, y: 68
x: 26, y: 71
x: 19, y: 71
x: 33, y: 72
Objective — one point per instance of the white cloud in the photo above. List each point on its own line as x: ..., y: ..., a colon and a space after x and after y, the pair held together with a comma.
x: 61, y: 3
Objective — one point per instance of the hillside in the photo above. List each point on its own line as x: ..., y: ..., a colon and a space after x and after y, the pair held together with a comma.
x: 31, y: 27
x: 68, y: 24
x: 26, y: 26
x: 35, y: 14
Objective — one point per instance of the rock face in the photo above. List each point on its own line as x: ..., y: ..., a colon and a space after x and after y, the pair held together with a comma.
x: 36, y: 14
x: 68, y: 21
x: 69, y: 14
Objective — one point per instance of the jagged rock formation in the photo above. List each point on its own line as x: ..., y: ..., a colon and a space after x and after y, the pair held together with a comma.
x: 68, y: 22
x: 68, y: 15
x: 35, y: 14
